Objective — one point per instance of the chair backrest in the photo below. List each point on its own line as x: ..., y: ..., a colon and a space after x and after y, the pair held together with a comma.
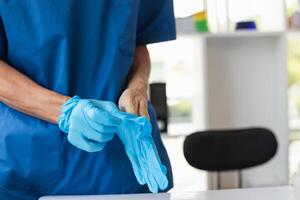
x: 158, y: 98
x: 223, y: 150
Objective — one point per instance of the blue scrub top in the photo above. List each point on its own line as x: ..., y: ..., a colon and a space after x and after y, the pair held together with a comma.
x: 73, y: 47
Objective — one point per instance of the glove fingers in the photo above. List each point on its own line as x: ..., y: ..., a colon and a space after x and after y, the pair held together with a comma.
x: 149, y: 157
x: 124, y: 134
x: 152, y: 185
x: 137, y: 169
x: 98, y: 136
x: 157, y: 174
x: 78, y: 140
x: 147, y: 167
x: 102, y: 128
x: 159, y: 169
x: 147, y: 172
x: 90, y: 131
x: 99, y: 133
x: 102, y: 117
x: 140, y: 152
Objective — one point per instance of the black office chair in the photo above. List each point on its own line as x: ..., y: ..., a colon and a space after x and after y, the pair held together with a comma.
x: 226, y: 150
x: 158, y: 98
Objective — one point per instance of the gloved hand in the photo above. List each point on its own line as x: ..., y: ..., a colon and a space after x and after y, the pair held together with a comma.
x: 90, y: 124
x: 135, y: 134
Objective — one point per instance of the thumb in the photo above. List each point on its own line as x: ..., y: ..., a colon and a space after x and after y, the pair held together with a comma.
x: 143, y: 109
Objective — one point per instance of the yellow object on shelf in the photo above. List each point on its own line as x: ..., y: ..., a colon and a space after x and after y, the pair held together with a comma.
x: 200, y: 16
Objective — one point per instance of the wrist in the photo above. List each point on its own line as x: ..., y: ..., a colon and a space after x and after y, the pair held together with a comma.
x: 55, y: 101
x: 139, y: 84
x: 65, y: 113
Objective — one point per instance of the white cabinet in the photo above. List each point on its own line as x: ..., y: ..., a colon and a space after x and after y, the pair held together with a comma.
x: 246, y: 85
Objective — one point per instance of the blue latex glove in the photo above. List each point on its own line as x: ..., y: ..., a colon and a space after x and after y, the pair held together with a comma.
x: 135, y: 133
x: 90, y: 124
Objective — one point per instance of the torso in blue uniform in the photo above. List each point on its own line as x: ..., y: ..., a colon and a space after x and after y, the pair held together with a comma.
x: 74, y: 47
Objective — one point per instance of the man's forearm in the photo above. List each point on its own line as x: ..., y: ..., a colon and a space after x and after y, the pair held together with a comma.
x: 139, y: 75
x: 134, y: 98
x: 21, y: 93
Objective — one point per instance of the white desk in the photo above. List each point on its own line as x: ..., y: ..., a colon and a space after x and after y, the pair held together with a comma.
x: 276, y: 193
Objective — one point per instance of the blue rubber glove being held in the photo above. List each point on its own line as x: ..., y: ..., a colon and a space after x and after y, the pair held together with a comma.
x: 135, y: 134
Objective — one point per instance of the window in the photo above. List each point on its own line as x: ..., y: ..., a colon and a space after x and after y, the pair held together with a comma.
x: 294, y: 101
x: 173, y: 64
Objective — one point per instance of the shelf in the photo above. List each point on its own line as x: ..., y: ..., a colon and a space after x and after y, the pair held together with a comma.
x: 242, y: 34
x: 185, y: 27
x: 293, y: 31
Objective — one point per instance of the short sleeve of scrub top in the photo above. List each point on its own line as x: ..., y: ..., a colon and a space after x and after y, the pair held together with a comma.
x: 156, y: 22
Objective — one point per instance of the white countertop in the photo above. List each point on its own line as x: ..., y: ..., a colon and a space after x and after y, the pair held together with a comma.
x: 275, y: 193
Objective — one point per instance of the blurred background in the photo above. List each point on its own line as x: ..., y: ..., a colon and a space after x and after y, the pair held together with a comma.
x: 235, y: 63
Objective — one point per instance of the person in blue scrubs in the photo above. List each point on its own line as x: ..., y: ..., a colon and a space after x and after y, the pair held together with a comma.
x: 53, y: 50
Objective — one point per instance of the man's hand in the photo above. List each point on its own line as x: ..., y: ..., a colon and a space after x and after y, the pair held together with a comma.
x: 134, y: 101
x: 134, y: 98
x: 89, y: 123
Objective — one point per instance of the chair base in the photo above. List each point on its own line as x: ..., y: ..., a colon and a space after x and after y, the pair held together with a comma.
x: 224, y: 180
